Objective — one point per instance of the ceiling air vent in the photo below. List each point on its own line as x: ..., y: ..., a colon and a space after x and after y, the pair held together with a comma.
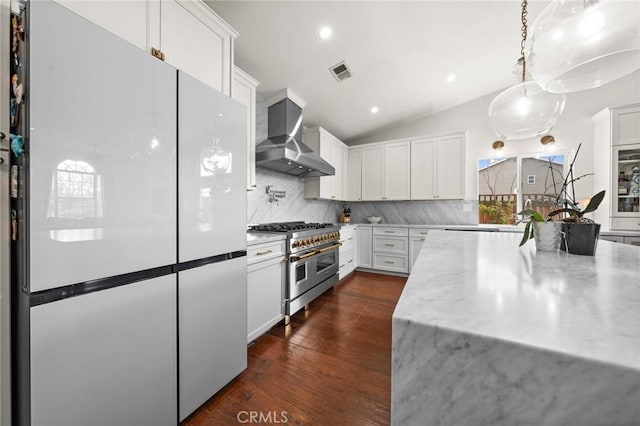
x: 340, y: 71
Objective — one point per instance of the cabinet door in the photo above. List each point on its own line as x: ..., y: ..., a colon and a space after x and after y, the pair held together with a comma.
x: 264, y: 296
x: 200, y: 50
x: 336, y: 162
x: 373, y: 173
x: 397, y: 179
x: 626, y: 125
x: 243, y: 90
x: 626, y: 175
x: 415, y: 244
x: 355, y: 175
x: 423, y: 157
x: 326, y: 182
x: 126, y: 19
x: 345, y: 172
x: 450, y: 168
x: 364, y: 247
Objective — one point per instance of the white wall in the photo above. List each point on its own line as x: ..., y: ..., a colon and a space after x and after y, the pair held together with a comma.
x: 573, y: 127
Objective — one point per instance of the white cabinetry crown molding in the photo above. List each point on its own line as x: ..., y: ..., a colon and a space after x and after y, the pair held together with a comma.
x: 207, y: 16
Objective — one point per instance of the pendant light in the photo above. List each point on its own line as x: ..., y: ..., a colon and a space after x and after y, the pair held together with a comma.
x: 582, y: 44
x: 525, y: 110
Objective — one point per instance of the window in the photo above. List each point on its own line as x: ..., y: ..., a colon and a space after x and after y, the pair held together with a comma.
x: 76, y: 191
x: 508, y: 185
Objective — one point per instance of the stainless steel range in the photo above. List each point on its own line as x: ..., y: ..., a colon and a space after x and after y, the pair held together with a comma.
x: 312, y: 260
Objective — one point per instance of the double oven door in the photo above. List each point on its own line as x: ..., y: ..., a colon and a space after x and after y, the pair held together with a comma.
x: 308, y: 269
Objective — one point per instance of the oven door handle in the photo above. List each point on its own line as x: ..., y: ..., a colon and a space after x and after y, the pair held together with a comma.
x: 326, y: 249
x: 304, y: 256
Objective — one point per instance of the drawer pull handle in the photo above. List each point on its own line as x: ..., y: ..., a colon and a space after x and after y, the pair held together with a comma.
x: 342, y: 266
x: 349, y: 239
x: 389, y: 261
x: 390, y: 245
x: 424, y: 233
x: 260, y: 253
x: 390, y: 232
x: 351, y: 261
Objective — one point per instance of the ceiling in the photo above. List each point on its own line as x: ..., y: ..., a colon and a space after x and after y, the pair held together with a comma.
x: 399, y: 52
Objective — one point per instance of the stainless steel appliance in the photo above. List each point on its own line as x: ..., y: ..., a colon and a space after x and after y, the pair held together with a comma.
x: 312, y: 260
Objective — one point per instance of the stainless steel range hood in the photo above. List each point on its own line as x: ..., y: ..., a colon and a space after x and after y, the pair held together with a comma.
x: 284, y: 151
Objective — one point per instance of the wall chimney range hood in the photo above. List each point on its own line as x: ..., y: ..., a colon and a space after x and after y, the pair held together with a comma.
x: 284, y: 151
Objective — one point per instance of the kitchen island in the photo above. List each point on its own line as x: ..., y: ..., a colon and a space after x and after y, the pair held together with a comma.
x: 489, y: 333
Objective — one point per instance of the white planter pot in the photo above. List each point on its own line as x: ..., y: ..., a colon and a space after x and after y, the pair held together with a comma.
x: 548, y: 235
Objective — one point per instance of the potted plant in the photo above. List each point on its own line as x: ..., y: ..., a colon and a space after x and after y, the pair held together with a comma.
x: 580, y: 233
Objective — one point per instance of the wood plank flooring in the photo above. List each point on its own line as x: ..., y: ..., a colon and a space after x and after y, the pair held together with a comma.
x: 330, y: 366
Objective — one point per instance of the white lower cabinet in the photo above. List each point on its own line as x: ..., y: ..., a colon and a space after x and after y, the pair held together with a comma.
x: 364, y: 246
x: 416, y: 239
x: 348, y: 250
x: 266, y: 275
x: 391, y: 249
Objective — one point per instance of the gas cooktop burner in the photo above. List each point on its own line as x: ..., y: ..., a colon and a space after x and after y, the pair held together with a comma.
x: 289, y: 226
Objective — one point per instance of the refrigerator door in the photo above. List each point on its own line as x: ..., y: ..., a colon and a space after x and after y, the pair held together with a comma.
x: 212, y: 328
x: 102, y: 153
x: 212, y: 168
x: 106, y: 358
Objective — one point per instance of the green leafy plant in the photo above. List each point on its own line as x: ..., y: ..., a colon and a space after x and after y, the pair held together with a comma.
x: 565, y: 204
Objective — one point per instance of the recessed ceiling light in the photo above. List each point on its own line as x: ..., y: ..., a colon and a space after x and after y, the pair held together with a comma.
x: 325, y: 32
x: 374, y: 110
x: 451, y: 78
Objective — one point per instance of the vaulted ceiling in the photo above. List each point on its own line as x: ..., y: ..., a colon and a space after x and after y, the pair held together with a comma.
x: 401, y: 55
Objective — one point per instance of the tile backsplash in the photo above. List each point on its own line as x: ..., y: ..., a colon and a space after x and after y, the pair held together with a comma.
x: 417, y: 212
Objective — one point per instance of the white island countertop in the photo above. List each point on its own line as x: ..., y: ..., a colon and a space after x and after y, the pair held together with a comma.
x: 484, y: 328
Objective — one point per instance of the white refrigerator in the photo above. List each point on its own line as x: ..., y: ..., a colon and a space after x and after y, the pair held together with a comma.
x: 135, y: 232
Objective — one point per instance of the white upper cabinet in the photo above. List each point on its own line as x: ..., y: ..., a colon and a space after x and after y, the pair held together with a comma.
x: 437, y: 168
x: 129, y: 20
x: 397, y: 160
x: 192, y: 37
x: 423, y: 157
x: 354, y: 178
x: 345, y: 172
x: 243, y: 90
x: 331, y: 149
x: 372, y: 173
x: 198, y: 42
x: 385, y: 171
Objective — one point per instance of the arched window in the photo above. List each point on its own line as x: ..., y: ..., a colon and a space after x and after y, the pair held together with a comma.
x: 76, y: 191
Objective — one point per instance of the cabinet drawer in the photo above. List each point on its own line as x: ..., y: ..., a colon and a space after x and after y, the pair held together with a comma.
x: 388, y: 262
x: 626, y: 223
x: 418, y: 232
x: 265, y: 251
x: 347, y: 263
x: 394, y: 245
x: 348, y: 242
x: 383, y: 230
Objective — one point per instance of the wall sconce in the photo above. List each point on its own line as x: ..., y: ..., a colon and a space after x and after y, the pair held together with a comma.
x: 548, y: 140
x: 497, y: 145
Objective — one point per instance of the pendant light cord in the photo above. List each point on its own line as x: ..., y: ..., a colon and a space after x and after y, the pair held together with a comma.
x: 524, y: 38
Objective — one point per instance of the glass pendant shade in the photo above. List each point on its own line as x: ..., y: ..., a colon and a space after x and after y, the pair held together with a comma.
x: 582, y: 44
x: 525, y: 111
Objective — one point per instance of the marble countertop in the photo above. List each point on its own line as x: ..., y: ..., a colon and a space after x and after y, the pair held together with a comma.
x: 483, y: 227
x: 483, y: 284
x: 254, y: 238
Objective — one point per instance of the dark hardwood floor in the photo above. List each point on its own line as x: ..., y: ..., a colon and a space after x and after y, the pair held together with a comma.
x: 330, y: 366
